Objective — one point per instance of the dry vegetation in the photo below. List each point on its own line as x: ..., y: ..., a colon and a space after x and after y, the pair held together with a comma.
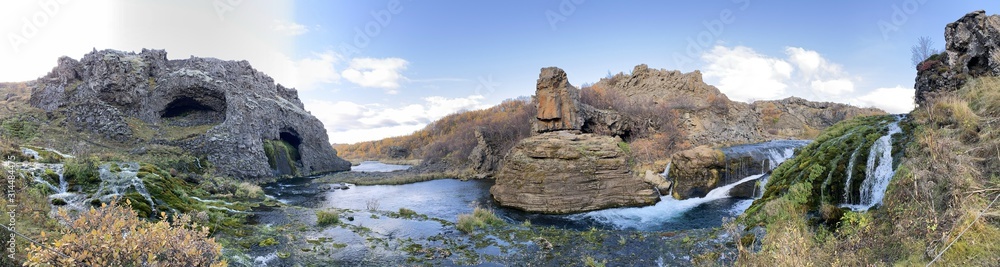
x: 113, y: 235
x: 937, y: 207
x: 657, y: 136
x: 452, y: 138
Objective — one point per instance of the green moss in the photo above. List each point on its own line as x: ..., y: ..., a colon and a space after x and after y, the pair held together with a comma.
x: 83, y: 172
x: 272, y: 147
x: 267, y: 242
x: 20, y: 128
x: 139, y: 204
x: 817, y: 174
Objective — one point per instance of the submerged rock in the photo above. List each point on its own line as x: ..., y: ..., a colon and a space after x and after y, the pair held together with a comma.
x: 568, y: 172
x: 224, y: 110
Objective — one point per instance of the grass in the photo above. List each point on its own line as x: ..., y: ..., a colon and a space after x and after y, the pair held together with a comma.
x: 327, y: 217
x: 480, y: 218
x: 948, y: 176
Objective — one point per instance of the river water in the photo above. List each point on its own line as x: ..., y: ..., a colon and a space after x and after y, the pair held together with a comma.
x: 446, y: 199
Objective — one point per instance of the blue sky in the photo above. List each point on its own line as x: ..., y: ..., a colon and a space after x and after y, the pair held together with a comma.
x: 373, y: 69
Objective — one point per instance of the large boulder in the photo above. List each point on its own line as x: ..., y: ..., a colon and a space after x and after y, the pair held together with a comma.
x: 567, y: 172
x: 563, y: 170
x: 970, y: 51
x: 226, y: 111
x: 696, y: 171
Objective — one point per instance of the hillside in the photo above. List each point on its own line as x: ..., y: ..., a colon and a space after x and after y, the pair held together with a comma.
x: 658, y: 112
x: 937, y: 166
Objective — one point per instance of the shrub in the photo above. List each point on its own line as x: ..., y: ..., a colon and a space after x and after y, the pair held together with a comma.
x: 480, y: 218
x: 407, y: 213
x: 248, y: 190
x: 327, y: 217
x: 112, y: 235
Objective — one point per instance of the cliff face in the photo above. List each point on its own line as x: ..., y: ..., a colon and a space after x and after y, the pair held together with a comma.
x: 970, y: 51
x: 236, y: 116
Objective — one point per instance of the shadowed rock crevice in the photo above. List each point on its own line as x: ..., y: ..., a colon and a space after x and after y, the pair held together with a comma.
x: 187, y: 111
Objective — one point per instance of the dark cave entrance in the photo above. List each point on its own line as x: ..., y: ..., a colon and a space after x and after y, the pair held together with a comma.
x: 208, y: 108
x: 283, y: 154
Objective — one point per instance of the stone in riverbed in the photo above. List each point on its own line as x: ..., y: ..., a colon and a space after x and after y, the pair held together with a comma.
x: 696, y: 171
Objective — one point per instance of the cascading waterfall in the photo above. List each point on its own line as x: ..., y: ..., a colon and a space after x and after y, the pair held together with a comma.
x: 850, y: 174
x: 670, y: 209
x: 666, y: 176
x: 117, y: 183
x: 878, y: 172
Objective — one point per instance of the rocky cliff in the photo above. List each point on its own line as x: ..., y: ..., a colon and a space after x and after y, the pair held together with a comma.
x: 236, y: 116
x: 971, y: 43
x: 710, y: 118
x: 563, y: 170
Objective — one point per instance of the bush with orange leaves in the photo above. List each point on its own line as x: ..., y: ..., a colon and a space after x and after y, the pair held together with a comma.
x: 113, y: 235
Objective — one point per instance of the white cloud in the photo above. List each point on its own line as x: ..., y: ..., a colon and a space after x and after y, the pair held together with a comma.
x: 893, y: 99
x: 811, y: 64
x: 743, y: 74
x: 834, y: 87
x: 305, y: 73
x: 288, y: 27
x: 377, y: 73
x: 348, y: 122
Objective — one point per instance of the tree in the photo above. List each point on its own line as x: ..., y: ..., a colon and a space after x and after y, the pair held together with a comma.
x: 922, y: 50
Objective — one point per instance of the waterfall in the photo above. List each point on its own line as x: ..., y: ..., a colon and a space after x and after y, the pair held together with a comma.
x: 117, y: 184
x: 666, y: 176
x: 850, y: 174
x: 878, y: 172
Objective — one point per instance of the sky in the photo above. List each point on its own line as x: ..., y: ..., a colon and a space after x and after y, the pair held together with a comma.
x: 380, y: 68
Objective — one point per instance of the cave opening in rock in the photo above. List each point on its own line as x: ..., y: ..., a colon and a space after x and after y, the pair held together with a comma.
x: 978, y: 65
x: 189, y: 111
x: 283, y: 154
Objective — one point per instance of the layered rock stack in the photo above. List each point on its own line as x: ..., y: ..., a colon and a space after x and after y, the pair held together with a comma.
x: 225, y: 111
x: 563, y: 170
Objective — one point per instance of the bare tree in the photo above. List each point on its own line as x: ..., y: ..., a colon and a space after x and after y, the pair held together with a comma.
x: 922, y: 50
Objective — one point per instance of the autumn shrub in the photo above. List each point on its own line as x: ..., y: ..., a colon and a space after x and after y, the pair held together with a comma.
x: 113, y: 235
x: 452, y: 138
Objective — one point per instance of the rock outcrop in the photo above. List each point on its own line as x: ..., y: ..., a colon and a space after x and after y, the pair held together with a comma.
x: 558, y: 102
x: 485, y: 156
x: 708, y: 117
x: 567, y: 172
x: 971, y: 50
x: 696, y: 171
x: 234, y: 115
x: 563, y: 170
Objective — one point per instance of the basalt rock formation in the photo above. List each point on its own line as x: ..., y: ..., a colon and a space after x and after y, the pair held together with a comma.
x: 235, y: 116
x: 563, y: 170
x: 971, y: 50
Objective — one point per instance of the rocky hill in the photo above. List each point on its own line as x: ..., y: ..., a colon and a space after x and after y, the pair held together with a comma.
x: 228, y: 112
x: 710, y: 118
